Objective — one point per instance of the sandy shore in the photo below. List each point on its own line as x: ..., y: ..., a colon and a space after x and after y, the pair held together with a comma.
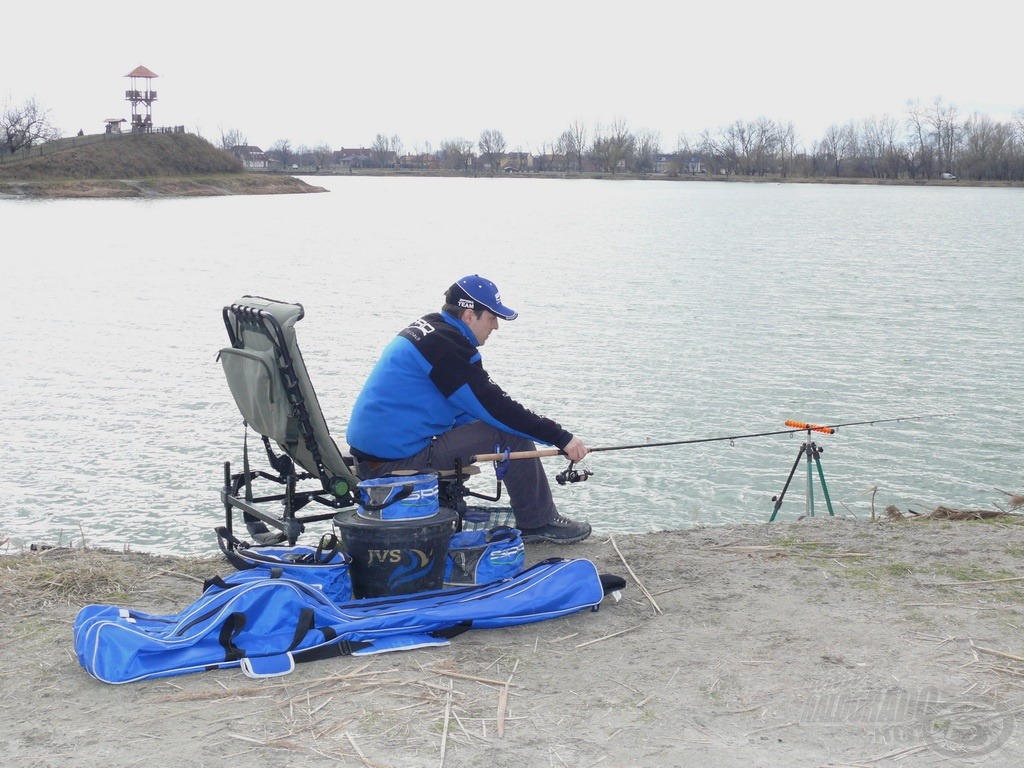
x: 177, y: 186
x: 827, y: 642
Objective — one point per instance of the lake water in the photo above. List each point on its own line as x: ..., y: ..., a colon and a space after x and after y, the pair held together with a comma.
x: 649, y: 311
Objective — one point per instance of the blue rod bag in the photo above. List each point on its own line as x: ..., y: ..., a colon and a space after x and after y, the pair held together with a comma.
x: 266, y: 625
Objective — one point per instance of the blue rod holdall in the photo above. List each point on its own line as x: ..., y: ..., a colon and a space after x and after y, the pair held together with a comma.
x: 266, y: 625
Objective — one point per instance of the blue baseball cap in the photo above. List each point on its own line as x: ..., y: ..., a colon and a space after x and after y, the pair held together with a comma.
x: 475, y: 292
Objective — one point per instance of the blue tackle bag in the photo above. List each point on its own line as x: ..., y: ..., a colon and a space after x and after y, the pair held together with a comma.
x: 325, y: 566
x: 479, y: 557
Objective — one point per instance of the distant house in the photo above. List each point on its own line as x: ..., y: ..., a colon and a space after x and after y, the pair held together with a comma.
x: 517, y: 161
x: 420, y: 161
x: 114, y: 124
x: 693, y: 165
x: 251, y: 157
x: 359, y: 157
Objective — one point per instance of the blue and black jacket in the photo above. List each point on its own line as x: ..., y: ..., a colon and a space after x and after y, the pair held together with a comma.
x: 429, y: 380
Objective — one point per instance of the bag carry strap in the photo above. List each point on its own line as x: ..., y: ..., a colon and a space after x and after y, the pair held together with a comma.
x: 332, y: 648
x: 501, y: 533
x: 302, y: 627
x: 327, y: 549
x: 224, y: 535
x: 221, y: 584
x: 229, y: 630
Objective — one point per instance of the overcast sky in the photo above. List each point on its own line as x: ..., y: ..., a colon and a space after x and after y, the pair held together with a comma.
x: 340, y: 73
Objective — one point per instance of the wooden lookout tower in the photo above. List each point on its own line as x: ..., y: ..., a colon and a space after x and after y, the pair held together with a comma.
x: 142, y: 99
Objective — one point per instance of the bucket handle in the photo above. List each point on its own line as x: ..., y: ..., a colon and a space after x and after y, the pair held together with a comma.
x: 402, y: 494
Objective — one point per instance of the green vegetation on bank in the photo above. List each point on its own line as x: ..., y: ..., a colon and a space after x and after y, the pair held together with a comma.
x: 139, y: 165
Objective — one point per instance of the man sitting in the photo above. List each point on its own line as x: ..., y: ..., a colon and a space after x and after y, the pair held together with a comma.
x: 429, y: 402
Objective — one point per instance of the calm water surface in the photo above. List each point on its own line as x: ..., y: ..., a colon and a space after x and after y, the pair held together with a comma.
x: 649, y: 311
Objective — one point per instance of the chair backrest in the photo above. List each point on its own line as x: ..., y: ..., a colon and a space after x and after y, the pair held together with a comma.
x: 271, y: 387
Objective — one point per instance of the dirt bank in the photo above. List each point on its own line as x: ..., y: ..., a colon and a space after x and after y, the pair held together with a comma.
x: 828, y: 642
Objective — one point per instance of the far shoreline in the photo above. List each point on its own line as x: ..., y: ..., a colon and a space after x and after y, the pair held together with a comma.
x: 602, y: 176
x: 275, y: 183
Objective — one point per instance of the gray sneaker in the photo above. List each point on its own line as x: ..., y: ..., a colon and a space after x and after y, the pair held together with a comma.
x: 561, y: 530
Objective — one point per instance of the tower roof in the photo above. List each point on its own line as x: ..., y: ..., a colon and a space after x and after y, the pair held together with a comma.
x: 141, y: 71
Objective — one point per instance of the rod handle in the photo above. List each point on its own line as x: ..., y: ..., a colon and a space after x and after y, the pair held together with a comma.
x: 516, y: 455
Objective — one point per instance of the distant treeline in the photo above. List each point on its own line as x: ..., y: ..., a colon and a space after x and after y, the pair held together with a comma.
x: 927, y: 142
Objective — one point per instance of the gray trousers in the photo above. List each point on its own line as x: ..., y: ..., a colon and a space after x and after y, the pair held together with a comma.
x: 525, y: 481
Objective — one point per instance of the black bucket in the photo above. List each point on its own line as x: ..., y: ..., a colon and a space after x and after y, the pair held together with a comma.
x: 396, y: 557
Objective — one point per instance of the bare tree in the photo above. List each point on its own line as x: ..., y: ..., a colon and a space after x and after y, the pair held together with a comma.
x: 613, y: 148
x: 422, y: 156
x: 381, y: 147
x: 764, y: 146
x: 574, y: 142
x: 787, y: 149
x: 599, y: 153
x: 946, y: 132
x: 647, y: 147
x: 231, y: 138
x: 738, y: 140
x: 321, y: 153
x: 879, y: 152
x: 730, y: 144
x: 622, y: 146
x: 990, y: 150
x: 838, y: 144
x: 282, y: 151
x: 542, y: 160
x: 25, y: 125
x: 492, y: 148
x: 923, y: 153
x: 456, y: 154
x: 710, y: 151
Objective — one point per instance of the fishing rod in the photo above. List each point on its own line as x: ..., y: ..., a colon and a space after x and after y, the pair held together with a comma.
x: 573, y: 474
x: 796, y: 426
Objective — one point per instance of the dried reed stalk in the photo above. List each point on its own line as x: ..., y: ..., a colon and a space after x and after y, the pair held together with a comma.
x: 447, y: 717
x: 639, y: 583
x: 607, y: 637
x: 1000, y: 654
x: 503, y: 701
x: 462, y: 676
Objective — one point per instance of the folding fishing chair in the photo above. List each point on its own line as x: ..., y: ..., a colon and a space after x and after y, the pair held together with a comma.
x: 271, y: 387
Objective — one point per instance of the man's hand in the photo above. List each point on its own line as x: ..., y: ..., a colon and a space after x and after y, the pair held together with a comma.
x: 575, y: 449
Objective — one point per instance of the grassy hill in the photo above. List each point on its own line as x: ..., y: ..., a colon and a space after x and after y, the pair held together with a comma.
x: 139, y: 165
x: 132, y: 156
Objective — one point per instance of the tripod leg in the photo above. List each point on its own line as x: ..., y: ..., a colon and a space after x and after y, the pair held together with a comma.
x: 778, y: 499
x: 821, y: 476
x: 809, y: 503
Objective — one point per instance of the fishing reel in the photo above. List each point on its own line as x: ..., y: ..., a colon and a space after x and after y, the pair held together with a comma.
x: 572, y: 475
